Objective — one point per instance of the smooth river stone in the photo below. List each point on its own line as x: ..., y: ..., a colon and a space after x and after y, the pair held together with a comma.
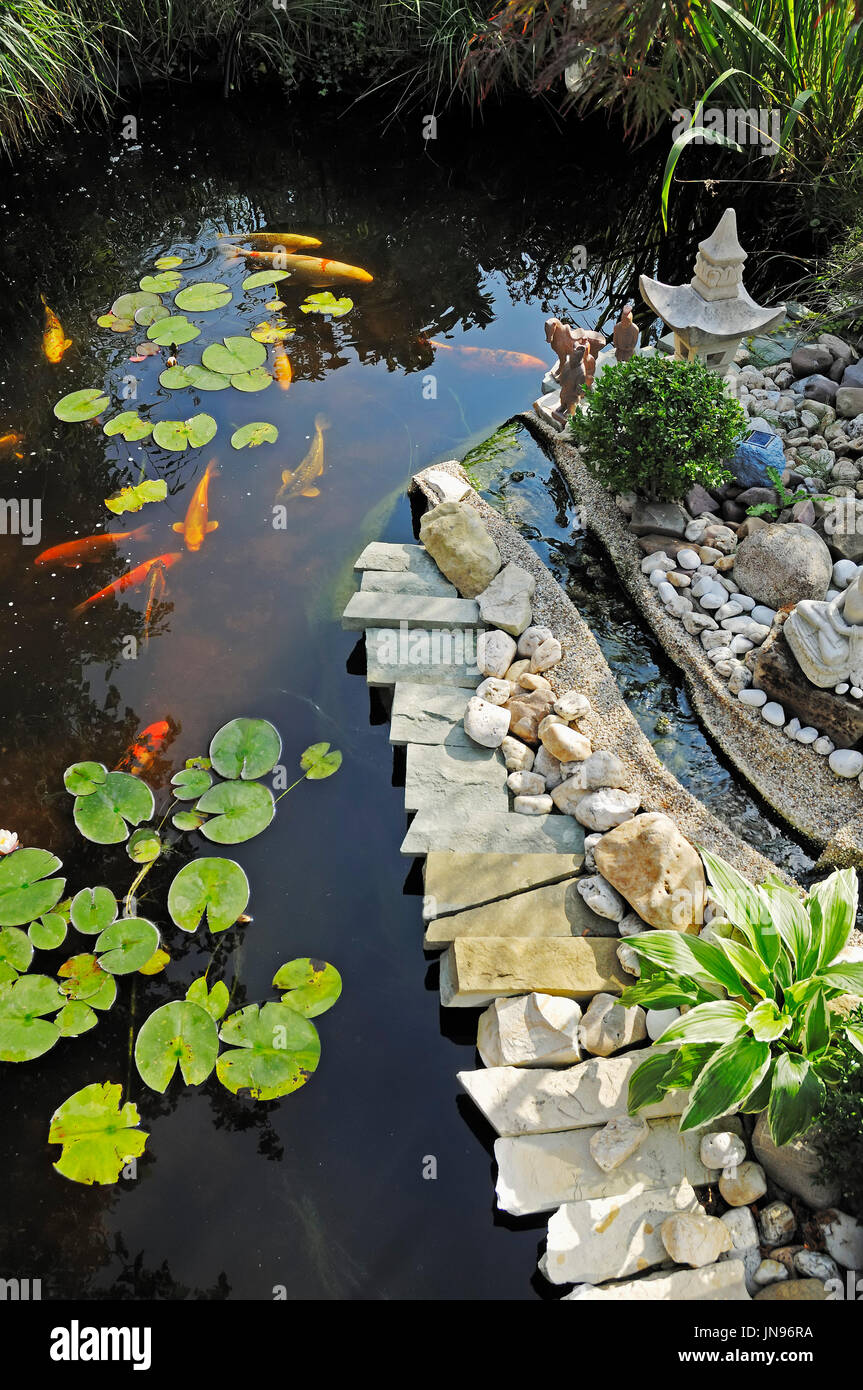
x: 611, y: 1237
x: 602, y: 810
x: 531, y: 1030
x: 531, y: 638
x: 656, y: 870
x: 506, y: 602
x: 485, y: 724
x: 456, y: 538
x: 495, y: 653
x: 476, y: 970
x: 453, y: 882
x: 614, y: 1143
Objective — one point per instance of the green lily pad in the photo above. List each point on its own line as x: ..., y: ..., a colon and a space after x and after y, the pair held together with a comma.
x: 178, y: 435
x: 16, y: 948
x: 215, y: 1000
x: 326, y: 303
x: 75, y: 1019
x: 98, y: 1136
x: 144, y: 845
x: 187, y: 820
x: 127, y: 945
x: 102, y: 815
x: 82, y: 978
x: 274, y: 305
x: 163, y: 283
x: 49, y: 932
x: 178, y: 1034
x: 195, y: 376
x: 239, y: 811
x: 26, y: 890
x: 313, y: 985
x: 250, y: 436
x: 151, y: 313
x: 257, y: 380
x: 81, y: 779
x: 275, y: 1051
x: 245, y: 748
x: 93, y: 909
x: 116, y: 325
x: 168, y: 262
x: 319, y: 761
x: 217, y: 887
x: 203, y: 297
x: 271, y: 332
x: 265, y: 277
x: 24, y: 1031
x: 130, y: 425
x: 127, y: 306
x: 81, y: 405
x: 156, y: 964
x: 190, y: 783
x: 136, y: 495
x: 234, y: 355
x: 176, y: 329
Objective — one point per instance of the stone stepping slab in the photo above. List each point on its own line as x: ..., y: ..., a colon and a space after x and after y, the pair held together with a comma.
x: 422, y: 657
x: 429, y: 714
x: 450, y: 825
x: 454, y: 882
x: 398, y: 558
x: 404, y: 582
x: 611, y: 1237
x: 719, y: 1283
x: 540, y: 1171
x: 434, y: 773
x: 477, y: 969
x: 534, y: 1100
x: 372, y: 609
x: 557, y: 910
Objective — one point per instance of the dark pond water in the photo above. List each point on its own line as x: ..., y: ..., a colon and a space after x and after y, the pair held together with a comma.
x: 469, y: 241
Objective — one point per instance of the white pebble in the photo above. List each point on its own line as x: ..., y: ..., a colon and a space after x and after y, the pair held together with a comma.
x: 807, y: 735
x: 722, y: 1149
x: 792, y: 728
x: 823, y: 745
x: 658, y: 1020
x: 659, y: 560
x: 762, y: 614
x: 688, y: 559
x: 846, y: 762
x: 659, y: 576
x: 842, y: 688
x: 752, y: 697
x: 773, y: 713
x: 856, y: 692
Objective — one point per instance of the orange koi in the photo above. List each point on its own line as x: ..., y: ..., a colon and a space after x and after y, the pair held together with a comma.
x: 142, y: 753
x: 489, y: 358
x: 196, y: 525
x: 271, y: 240
x: 313, y: 270
x: 54, y: 340
x: 89, y: 550
x: 282, y: 370
x: 129, y: 580
x: 8, y: 441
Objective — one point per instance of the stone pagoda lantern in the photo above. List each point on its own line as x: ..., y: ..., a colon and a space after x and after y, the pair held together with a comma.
x: 711, y: 314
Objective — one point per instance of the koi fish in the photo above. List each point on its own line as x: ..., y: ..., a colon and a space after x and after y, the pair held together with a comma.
x: 54, y: 340
x: 299, y: 482
x: 155, y: 595
x: 314, y: 270
x: 271, y: 240
x: 282, y: 370
x: 89, y: 550
x: 196, y: 525
x: 142, y: 753
x: 129, y: 580
x: 8, y: 441
x: 490, y: 357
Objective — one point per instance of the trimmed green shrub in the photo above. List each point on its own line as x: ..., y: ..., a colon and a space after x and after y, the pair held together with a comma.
x: 839, y: 1137
x: 655, y: 425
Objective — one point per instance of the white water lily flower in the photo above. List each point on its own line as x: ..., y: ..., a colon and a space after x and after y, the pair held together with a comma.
x: 8, y: 841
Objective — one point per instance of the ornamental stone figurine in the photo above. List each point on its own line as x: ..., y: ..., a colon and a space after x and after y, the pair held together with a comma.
x: 826, y: 637
x: 572, y: 380
x: 625, y: 336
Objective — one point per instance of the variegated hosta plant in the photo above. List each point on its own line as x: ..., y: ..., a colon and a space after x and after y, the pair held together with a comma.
x: 760, y: 1032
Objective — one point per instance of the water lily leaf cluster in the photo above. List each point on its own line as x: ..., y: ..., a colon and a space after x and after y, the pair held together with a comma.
x: 327, y: 303
x: 130, y: 425
x: 104, y: 811
x: 178, y: 435
x: 134, y: 496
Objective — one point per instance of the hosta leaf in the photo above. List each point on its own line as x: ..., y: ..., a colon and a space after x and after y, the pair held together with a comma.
x: 178, y: 435
x: 194, y: 376
x: 647, y: 1083
x: 81, y: 405
x: 726, y: 1080
x: 144, y: 845
x: 846, y: 976
x: 250, y: 436
x: 796, y: 1099
x: 749, y: 966
x: 175, y: 329
x: 98, y: 1136
x: 743, y: 904
x: 202, y: 297
x: 234, y: 355
x: 163, y: 283
x: 687, y: 955
x: 238, y: 811
x: 832, y: 908
x: 791, y: 920
x: 190, y: 783
x: 130, y: 425
x: 127, y: 306
x: 245, y: 748
x: 719, y: 1021
x: 82, y: 977
x: 817, y: 1030
x: 767, y: 1022
x: 49, y: 932
x: 215, y: 1000
x: 274, y: 1051
x: 265, y: 277
x: 217, y: 887
x: 75, y: 1019
x: 319, y: 761
x: 127, y: 945
x: 27, y: 889
x: 257, y: 380
x: 102, y: 815
x: 180, y: 1034
x: 313, y: 986
x: 136, y: 495
x: 326, y: 303
x: 80, y: 779
x: 93, y: 909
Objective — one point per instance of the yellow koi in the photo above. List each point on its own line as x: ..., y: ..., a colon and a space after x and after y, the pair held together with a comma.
x: 54, y: 340
x: 196, y: 525
x: 299, y: 482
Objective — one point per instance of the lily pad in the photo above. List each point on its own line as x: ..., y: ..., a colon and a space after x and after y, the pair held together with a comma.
x: 265, y: 277
x: 130, y: 425
x: 178, y: 435
x: 102, y: 815
x: 250, y: 436
x: 245, y: 748
x: 156, y: 964
x: 151, y: 313
x: 257, y: 380
x: 25, y: 1033
x: 176, y: 329
x: 326, y: 303
x: 26, y: 888
x: 81, y: 405
x: 234, y: 355
x: 168, y: 262
x: 320, y: 761
x: 144, y: 845
x: 143, y: 350
x: 195, y: 376
x: 82, y: 779
x: 313, y: 985
x: 16, y: 948
x: 217, y: 887
x: 239, y: 811
x: 49, y: 932
x: 163, y: 283
x: 98, y: 1136
x: 82, y: 978
x: 190, y: 783
x: 136, y: 495
x: 116, y: 325
x: 215, y: 1000
x: 127, y: 306
x: 274, y: 305
x: 178, y: 1034
x: 187, y: 820
x: 275, y: 1051
x: 75, y: 1019
x: 93, y: 909
x: 202, y: 297
x: 127, y: 945
x: 270, y: 332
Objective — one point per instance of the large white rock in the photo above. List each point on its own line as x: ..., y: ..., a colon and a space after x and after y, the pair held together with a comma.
x: 843, y: 1237
x: 572, y: 706
x: 656, y: 870
x: 613, y: 1144
x: 607, y: 1026
x: 445, y: 486
x: 546, y: 655
x: 506, y: 602
x: 611, y: 1237
x: 742, y: 1184
x: 486, y: 724
x: 567, y: 795
x: 495, y: 651
x: 719, y: 1283
x: 606, y: 808
x: 526, y: 783
x: 529, y: 1030
x: 658, y: 1020
x: 692, y: 1238
x: 603, y: 769
x: 722, y: 1149
x: 601, y: 898
x: 494, y: 690
x: 517, y: 756
x: 531, y: 638
x: 564, y: 743
x: 454, y: 535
